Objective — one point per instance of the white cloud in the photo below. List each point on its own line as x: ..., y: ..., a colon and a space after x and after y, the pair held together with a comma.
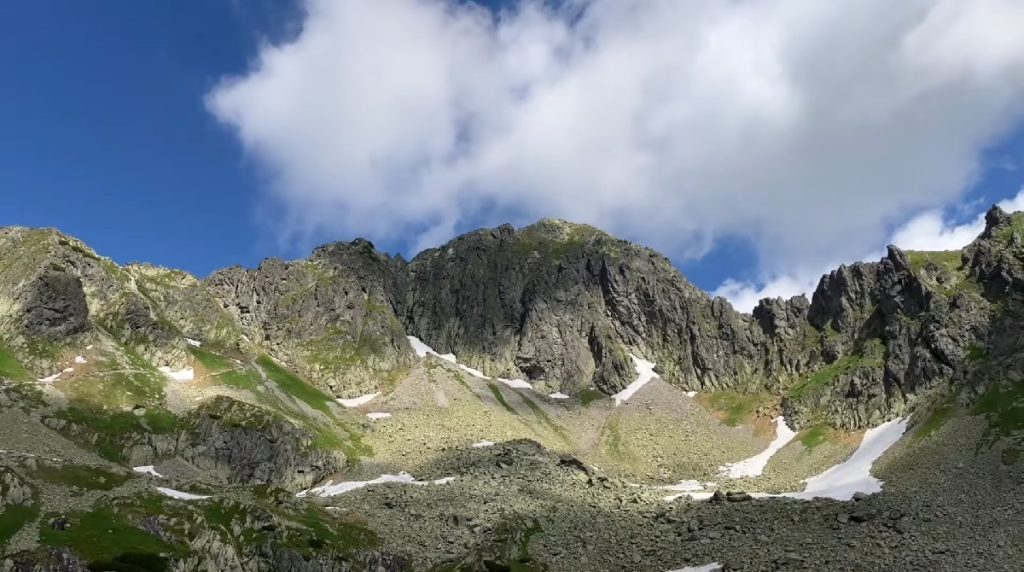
x: 807, y: 127
x: 928, y: 231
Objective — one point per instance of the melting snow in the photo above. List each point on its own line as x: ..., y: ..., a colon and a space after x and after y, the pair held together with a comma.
x: 854, y: 474
x: 754, y: 466
x: 516, y: 383
x: 80, y: 359
x: 378, y: 415
x: 357, y: 401
x: 558, y: 395
x: 193, y: 343
x: 180, y: 495
x: 147, y: 470
x: 685, y: 486
x: 187, y: 374
x: 330, y: 489
x: 846, y: 479
x: 483, y: 444
x: 56, y: 376
x: 691, y: 394
x: 713, y: 567
x: 423, y: 349
x: 420, y: 348
x: 644, y: 373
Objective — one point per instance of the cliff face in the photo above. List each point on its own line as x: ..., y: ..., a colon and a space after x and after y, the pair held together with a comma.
x: 567, y: 304
x: 331, y: 316
x: 560, y: 304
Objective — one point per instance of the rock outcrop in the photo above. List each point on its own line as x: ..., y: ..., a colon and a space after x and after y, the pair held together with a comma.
x: 331, y: 317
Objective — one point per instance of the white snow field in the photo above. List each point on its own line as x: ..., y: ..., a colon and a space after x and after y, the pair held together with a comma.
x: 483, y: 444
x: 331, y: 489
x: 357, y: 401
x: 644, y: 373
x: 844, y: 480
x: 187, y: 374
x: 754, y: 466
x: 377, y: 415
x: 558, y: 395
x: 180, y: 495
x: 853, y: 475
x: 147, y: 470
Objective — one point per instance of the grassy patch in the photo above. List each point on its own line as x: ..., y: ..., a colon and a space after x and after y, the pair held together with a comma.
x: 295, y: 386
x: 318, y: 529
x: 501, y: 398
x: 226, y: 371
x: 948, y: 260
x: 951, y: 277
x: 108, y: 432
x: 107, y: 541
x: 546, y: 419
x: 14, y: 518
x: 872, y: 355
x: 936, y: 419
x: 10, y: 367
x: 976, y: 353
x: 1004, y: 407
x: 733, y: 408
x: 590, y: 395
x: 92, y: 478
x: 1016, y: 226
x: 611, y: 436
x: 815, y: 436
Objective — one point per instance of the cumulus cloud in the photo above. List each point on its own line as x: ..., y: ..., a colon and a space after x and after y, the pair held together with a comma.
x: 928, y: 231
x: 808, y: 128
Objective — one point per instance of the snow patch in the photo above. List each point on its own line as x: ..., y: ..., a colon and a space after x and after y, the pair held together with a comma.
x: 331, y: 489
x: 187, y: 374
x: 80, y: 359
x: 754, y: 466
x: 423, y: 349
x: 558, y: 395
x: 713, y: 567
x: 644, y: 373
x: 193, y: 343
x: 419, y: 347
x: 180, y: 495
x: 516, y: 383
x: 685, y: 486
x: 147, y: 470
x: 691, y: 394
x: 483, y: 444
x: 853, y: 475
x: 378, y: 415
x: 844, y: 480
x: 56, y: 376
x: 357, y: 401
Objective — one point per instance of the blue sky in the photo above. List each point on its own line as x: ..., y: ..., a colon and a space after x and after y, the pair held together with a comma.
x: 104, y: 133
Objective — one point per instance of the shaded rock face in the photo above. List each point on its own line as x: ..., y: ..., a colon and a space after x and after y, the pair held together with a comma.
x: 331, y: 317
x: 57, y: 307
x: 253, y: 446
x: 566, y: 303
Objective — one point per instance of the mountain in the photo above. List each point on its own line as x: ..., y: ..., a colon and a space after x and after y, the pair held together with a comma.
x: 152, y: 420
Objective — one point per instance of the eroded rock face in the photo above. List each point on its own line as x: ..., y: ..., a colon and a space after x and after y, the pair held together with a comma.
x: 251, y: 445
x: 565, y: 303
x: 57, y: 307
x: 330, y: 317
